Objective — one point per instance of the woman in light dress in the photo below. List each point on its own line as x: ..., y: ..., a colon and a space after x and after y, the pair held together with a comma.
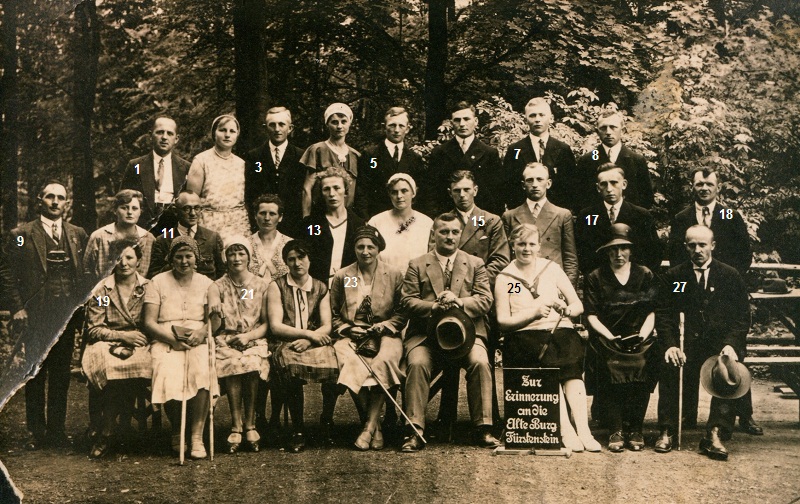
x: 267, y: 243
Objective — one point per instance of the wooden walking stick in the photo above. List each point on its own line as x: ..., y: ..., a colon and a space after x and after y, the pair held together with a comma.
x: 212, y: 375
x: 680, y: 384
x: 183, y: 405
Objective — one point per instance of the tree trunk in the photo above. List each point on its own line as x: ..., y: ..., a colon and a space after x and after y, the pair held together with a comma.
x: 250, y: 78
x: 86, y: 54
x: 10, y: 101
x: 435, y: 86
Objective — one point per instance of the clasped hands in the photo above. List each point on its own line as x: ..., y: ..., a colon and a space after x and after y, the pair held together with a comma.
x: 196, y: 337
x: 308, y: 340
x: 676, y: 357
x: 445, y: 301
x: 543, y: 305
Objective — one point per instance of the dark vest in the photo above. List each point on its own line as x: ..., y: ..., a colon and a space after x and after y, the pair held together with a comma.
x: 61, y: 272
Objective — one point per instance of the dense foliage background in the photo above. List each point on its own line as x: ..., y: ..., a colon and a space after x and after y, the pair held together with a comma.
x: 703, y: 83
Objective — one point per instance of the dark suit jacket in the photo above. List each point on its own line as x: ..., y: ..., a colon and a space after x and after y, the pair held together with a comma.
x: 558, y: 157
x: 286, y: 182
x: 322, y: 244
x: 482, y: 160
x: 28, y: 266
x: 733, y: 242
x: 209, y: 263
x: 715, y: 317
x: 385, y: 298
x: 589, y: 237
x: 145, y: 182
x: 556, y: 234
x: 424, y: 282
x: 487, y: 242
x: 640, y: 187
x: 371, y: 197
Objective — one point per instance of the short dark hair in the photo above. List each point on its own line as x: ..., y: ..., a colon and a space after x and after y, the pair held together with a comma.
x: 459, y: 175
x: 268, y: 198
x: 396, y: 111
x: 462, y: 105
x: 608, y: 167
x: 705, y: 171
x: 335, y: 171
x: 302, y: 248
x: 278, y: 110
x: 163, y: 116
x: 446, y: 217
x: 125, y: 196
x: 535, y: 164
x: 51, y: 182
x: 116, y: 248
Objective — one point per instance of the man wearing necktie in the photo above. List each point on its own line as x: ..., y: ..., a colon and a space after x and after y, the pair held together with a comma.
x: 463, y: 152
x: 46, y: 284
x: 380, y: 161
x: 274, y: 168
x: 732, y: 248
x: 610, y: 128
x: 556, y: 229
x: 425, y: 293
x: 713, y: 298
x: 159, y: 176
x: 540, y: 147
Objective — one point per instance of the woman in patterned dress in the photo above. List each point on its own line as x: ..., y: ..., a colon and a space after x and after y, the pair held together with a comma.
x: 117, y: 359
x: 299, y: 312
x: 238, y: 308
x: 174, y: 313
x: 217, y: 175
x: 267, y: 243
x: 406, y: 231
x: 365, y: 299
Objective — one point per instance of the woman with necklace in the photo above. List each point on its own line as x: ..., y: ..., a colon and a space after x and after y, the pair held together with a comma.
x: 267, y: 243
x: 333, y: 152
x: 217, y: 175
x: 175, y: 317
x: 116, y: 360
x: 405, y: 230
x: 238, y: 308
x: 535, y: 300
x: 365, y: 302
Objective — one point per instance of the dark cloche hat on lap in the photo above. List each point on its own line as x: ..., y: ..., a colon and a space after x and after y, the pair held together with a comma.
x: 724, y: 377
x: 452, y: 332
x: 620, y: 235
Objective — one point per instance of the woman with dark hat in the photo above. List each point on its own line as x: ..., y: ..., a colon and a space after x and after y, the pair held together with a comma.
x: 620, y: 301
x: 365, y: 298
x: 175, y: 316
x: 535, y: 314
x: 299, y: 313
x: 237, y: 305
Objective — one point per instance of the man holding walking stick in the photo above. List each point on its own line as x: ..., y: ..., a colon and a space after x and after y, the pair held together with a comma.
x: 713, y: 298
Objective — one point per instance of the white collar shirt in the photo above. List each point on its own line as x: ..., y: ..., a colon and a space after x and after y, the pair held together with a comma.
x: 443, y: 260
x: 184, y: 231
x: 698, y: 212
x: 300, y: 293
x: 532, y: 205
x: 465, y: 143
x: 163, y: 194
x: 613, y: 152
x: 48, y: 226
x: 390, y: 146
x: 616, y: 206
x: 281, y: 150
x: 535, y: 141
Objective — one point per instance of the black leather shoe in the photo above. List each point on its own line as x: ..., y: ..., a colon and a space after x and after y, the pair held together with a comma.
x: 750, y: 426
x: 485, y: 439
x: 616, y: 443
x: 298, y: 443
x: 100, y: 448
x: 412, y: 444
x: 635, y: 441
x: 34, y: 443
x: 711, y: 445
x: 325, y: 432
x: 663, y: 443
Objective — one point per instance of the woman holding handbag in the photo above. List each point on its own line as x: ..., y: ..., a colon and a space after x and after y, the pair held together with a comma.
x: 365, y: 298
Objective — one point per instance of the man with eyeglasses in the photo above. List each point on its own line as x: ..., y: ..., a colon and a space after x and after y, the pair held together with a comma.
x: 208, y: 242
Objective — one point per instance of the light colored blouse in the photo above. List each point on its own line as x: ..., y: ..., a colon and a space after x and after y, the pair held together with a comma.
x: 402, y: 246
x: 548, y: 283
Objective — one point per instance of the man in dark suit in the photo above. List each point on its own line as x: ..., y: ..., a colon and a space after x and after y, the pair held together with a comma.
x: 274, y: 168
x: 209, y: 242
x: 434, y: 282
x: 556, y: 230
x: 593, y: 226
x: 159, y: 176
x: 610, y: 127
x: 540, y: 147
x: 732, y: 248
x: 464, y: 152
x: 379, y: 162
x: 713, y: 298
x: 47, y: 284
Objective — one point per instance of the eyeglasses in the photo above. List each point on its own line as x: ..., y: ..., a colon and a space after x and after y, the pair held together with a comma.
x: 189, y: 209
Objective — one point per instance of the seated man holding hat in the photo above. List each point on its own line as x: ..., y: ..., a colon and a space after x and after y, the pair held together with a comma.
x: 446, y: 296
x: 713, y: 298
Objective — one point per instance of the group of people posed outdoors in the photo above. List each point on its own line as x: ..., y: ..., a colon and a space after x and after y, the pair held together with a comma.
x: 376, y: 273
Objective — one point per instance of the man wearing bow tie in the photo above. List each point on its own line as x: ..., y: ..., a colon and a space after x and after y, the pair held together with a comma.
x: 713, y: 298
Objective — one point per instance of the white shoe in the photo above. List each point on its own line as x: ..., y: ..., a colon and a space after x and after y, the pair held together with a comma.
x: 590, y: 443
x: 572, y: 443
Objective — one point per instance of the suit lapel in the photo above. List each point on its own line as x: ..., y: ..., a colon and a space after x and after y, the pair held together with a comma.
x: 545, y: 219
x: 351, y: 294
x: 148, y: 178
x: 453, y: 151
x: 178, y: 177
x: 38, y: 236
x: 474, y: 153
x: 459, y: 272
x: 72, y: 243
x: 469, y: 228
x: 523, y: 215
x: 434, y: 272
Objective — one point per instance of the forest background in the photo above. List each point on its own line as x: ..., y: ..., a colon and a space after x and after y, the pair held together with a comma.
x: 703, y: 83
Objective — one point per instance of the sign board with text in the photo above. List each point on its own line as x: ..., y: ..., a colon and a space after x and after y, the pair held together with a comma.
x: 531, y: 404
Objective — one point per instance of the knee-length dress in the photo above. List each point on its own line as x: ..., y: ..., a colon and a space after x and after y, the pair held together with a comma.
x: 222, y: 192
x: 241, y: 315
x: 184, y: 307
x: 103, y: 322
x: 364, y: 306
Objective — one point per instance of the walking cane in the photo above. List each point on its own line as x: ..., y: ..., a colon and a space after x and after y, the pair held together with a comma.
x: 212, y: 375
x: 680, y: 385
x: 385, y: 391
x: 183, y: 405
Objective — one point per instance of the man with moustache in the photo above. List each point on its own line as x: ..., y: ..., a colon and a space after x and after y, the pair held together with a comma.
x: 540, y: 147
x: 159, y: 176
x: 379, y: 162
x: 426, y: 292
x: 464, y: 152
x: 274, y: 168
x: 610, y: 127
x: 47, y: 283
